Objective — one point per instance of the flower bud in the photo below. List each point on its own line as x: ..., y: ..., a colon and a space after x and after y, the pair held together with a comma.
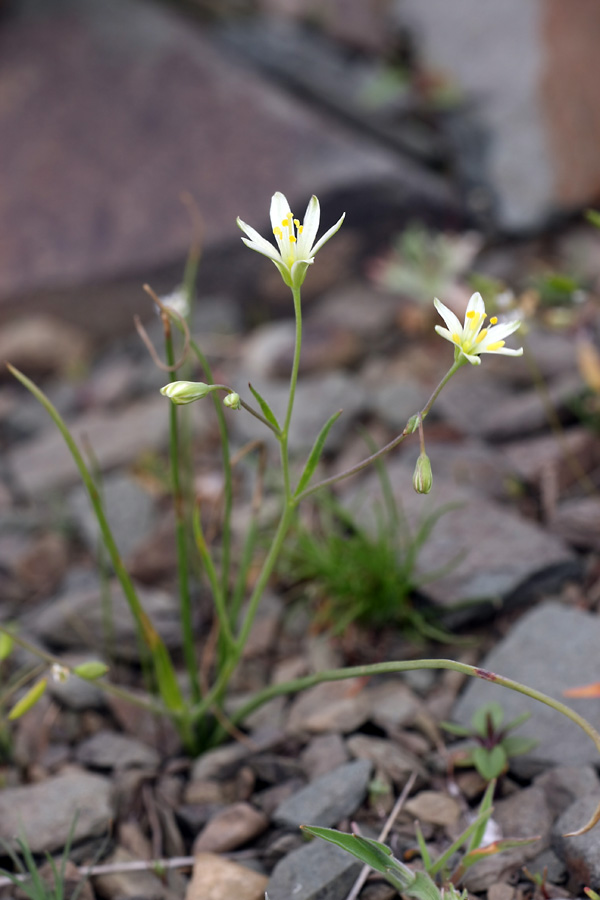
x: 181, y: 392
x: 423, y: 477
x: 91, y: 670
x: 232, y: 401
x: 59, y: 673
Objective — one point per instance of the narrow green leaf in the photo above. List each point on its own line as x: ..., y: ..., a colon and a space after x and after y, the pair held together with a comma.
x: 484, y: 807
x: 489, y: 763
x: 315, y: 453
x: 29, y: 699
x: 266, y: 409
x: 422, y: 888
x: 453, y: 728
x: 514, y: 723
x: 6, y: 645
x: 425, y: 855
x: 515, y: 745
x: 166, y: 679
x: 443, y: 860
x: 496, y: 847
x: 371, y: 853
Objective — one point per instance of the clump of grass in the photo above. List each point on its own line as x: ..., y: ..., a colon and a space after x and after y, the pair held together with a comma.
x: 358, y: 577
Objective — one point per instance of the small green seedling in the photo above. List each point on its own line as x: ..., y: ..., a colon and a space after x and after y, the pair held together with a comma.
x: 424, y: 885
x: 32, y: 881
x: 494, y: 745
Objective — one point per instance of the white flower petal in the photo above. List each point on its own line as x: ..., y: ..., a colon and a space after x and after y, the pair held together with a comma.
x: 279, y: 209
x: 328, y: 234
x: 474, y: 360
x: 499, y: 332
x: 310, y: 226
x: 443, y: 332
x: 263, y: 247
x: 476, y: 304
x: 505, y: 351
x: 449, y: 318
x: 257, y: 240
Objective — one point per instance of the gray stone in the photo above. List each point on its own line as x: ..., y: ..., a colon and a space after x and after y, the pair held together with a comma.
x: 565, y: 784
x: 129, y: 510
x: 45, y: 812
x: 551, y: 648
x: 324, y: 753
x: 128, y: 79
x: 318, y: 871
x: 525, y: 814
x: 111, y: 750
x: 490, y: 551
x: 328, y: 799
x: 385, y: 755
x: 581, y: 853
x: 230, y: 828
x: 578, y: 522
x: 544, y: 459
x: 44, y: 463
x: 524, y: 117
x: 75, y: 619
x: 126, y: 884
x: 395, y: 402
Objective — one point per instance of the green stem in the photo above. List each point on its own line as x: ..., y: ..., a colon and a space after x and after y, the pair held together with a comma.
x: 185, y: 600
x: 213, y: 578
x: 284, y: 437
x: 163, y: 666
x: 391, y: 445
x: 50, y: 660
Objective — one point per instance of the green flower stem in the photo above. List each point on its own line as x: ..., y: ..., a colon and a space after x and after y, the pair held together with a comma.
x: 284, y: 437
x: 333, y: 479
x: 50, y: 660
x: 163, y: 666
x: 185, y: 600
x: 218, y: 596
x: 300, y: 684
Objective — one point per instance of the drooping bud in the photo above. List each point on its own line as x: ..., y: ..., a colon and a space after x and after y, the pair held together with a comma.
x: 181, y: 392
x: 29, y: 699
x: 232, y: 401
x: 423, y: 476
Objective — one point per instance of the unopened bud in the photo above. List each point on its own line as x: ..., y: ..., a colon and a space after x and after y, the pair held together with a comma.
x: 91, y: 670
x: 423, y: 477
x: 59, y: 673
x: 232, y: 401
x: 181, y: 392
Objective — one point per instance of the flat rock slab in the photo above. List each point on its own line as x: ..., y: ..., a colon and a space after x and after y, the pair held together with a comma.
x: 45, y: 812
x: 319, y: 871
x: 526, y: 144
x: 328, y: 799
x: 497, y: 555
x: 44, y: 464
x: 149, y: 108
x: 552, y: 648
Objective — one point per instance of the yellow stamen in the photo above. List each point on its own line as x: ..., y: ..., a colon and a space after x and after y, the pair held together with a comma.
x: 300, y: 229
x: 494, y: 320
x: 481, y: 335
x: 456, y: 338
x: 292, y: 239
x: 471, y: 314
x: 285, y: 222
x: 496, y: 346
x: 277, y: 233
x: 297, y: 223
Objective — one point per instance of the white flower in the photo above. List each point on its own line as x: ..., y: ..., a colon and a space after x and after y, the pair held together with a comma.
x: 472, y: 338
x: 296, y: 248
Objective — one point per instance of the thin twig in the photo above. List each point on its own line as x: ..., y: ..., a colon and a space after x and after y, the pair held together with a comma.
x: 138, y: 865
x: 364, y: 874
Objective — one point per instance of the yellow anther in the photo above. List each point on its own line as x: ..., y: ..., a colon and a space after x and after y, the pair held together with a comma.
x: 471, y: 314
x: 297, y: 223
x: 292, y: 239
x: 481, y: 335
x: 285, y: 222
x: 300, y: 229
x: 277, y: 233
x: 496, y: 346
x: 456, y: 338
x: 494, y: 320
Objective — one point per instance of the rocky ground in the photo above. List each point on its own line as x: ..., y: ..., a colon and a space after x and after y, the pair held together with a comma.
x: 513, y: 445
x: 525, y: 530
